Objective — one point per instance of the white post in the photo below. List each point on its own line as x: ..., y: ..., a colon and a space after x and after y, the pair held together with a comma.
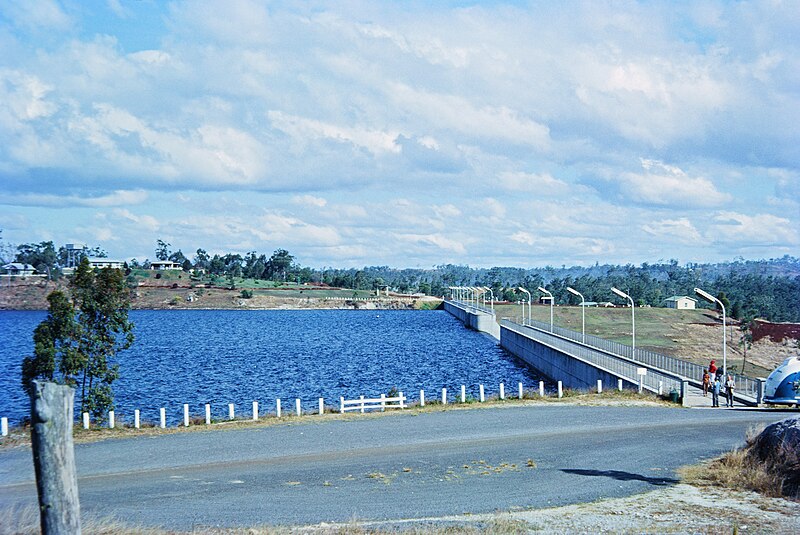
x: 599, y: 386
x: 560, y: 390
x: 520, y: 390
x: 480, y: 390
x: 322, y: 405
x: 162, y: 417
x: 86, y: 420
x: 4, y: 426
x: 383, y: 402
x: 421, y: 398
x: 231, y: 413
x: 111, y: 419
x: 641, y: 383
x: 463, y: 394
x: 297, y: 407
x: 255, y: 410
x: 541, y: 389
x: 660, y: 388
x: 186, y: 415
x: 619, y: 385
x: 502, y: 391
x: 278, y: 407
x: 362, y: 404
x: 402, y: 397
x: 136, y: 422
x: 444, y: 396
x: 208, y: 414
x: 341, y: 404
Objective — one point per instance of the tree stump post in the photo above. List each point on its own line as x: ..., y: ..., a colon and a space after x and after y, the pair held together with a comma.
x: 54, y: 458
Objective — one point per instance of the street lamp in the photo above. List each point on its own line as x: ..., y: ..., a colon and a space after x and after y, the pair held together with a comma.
x: 551, y: 305
x: 633, y: 319
x: 491, y: 302
x: 583, y: 312
x: 529, y: 306
x: 708, y: 297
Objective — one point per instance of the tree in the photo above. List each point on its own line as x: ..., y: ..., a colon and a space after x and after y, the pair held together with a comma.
x: 162, y: 250
x: 280, y: 263
x: 78, y: 341
x: 42, y: 256
x: 745, y: 338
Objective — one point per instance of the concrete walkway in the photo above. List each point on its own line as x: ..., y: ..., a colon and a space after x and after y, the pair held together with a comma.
x: 697, y: 400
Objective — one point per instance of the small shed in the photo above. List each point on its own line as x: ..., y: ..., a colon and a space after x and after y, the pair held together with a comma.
x: 682, y: 302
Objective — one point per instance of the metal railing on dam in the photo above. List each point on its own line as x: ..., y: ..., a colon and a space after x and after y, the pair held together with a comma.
x: 655, y: 380
x: 748, y: 387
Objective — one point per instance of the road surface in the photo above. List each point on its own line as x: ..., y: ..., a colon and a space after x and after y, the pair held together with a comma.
x: 403, y: 465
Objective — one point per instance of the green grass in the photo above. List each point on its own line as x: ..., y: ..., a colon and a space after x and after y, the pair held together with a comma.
x: 656, y: 328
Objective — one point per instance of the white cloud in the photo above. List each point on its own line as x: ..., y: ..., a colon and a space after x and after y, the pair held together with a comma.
x: 309, y: 200
x: 437, y: 240
x: 145, y: 222
x: 754, y: 230
x: 36, y: 14
x: 670, y: 186
x: 117, y: 198
x: 304, y: 130
x: 542, y: 184
x: 676, y: 230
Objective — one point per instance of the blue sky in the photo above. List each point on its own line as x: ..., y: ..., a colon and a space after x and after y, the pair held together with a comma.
x: 407, y: 134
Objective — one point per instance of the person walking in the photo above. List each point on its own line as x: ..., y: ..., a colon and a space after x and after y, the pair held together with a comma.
x: 729, y: 386
x: 715, y: 392
x: 706, y: 382
x: 712, y: 368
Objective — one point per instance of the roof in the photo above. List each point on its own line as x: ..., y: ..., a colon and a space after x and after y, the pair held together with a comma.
x: 19, y: 266
x: 676, y: 297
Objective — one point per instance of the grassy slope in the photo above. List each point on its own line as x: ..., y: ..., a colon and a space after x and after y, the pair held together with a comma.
x: 694, y: 335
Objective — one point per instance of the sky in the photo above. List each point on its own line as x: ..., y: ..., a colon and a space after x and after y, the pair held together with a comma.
x: 407, y: 134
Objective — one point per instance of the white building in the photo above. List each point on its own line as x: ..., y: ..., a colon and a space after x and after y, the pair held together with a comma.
x: 101, y: 263
x: 162, y: 265
x: 682, y: 302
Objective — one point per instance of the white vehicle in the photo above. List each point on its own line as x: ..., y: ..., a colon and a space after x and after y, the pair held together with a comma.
x: 783, y: 385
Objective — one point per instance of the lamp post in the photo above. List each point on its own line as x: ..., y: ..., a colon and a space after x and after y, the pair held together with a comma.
x: 551, y: 305
x: 633, y: 319
x: 708, y: 297
x: 529, y: 305
x: 491, y: 297
x: 583, y: 312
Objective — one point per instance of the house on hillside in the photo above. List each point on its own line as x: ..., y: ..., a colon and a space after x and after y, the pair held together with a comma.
x: 101, y: 263
x: 165, y: 265
x: 19, y: 270
x: 682, y: 302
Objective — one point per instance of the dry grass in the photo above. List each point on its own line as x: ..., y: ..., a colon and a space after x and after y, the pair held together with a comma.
x: 741, y: 470
x: 25, y: 521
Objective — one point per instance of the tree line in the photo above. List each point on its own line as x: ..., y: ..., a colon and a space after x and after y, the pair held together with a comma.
x: 768, y: 289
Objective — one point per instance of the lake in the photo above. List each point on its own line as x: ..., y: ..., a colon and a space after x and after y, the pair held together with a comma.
x: 233, y: 356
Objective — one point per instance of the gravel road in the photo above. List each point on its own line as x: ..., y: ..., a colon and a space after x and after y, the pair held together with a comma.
x: 396, y: 466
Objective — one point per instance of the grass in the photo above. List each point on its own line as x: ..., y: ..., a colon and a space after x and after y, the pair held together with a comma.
x: 740, y: 469
x: 25, y: 521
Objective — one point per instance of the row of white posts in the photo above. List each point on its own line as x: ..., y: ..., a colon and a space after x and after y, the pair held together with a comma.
x: 321, y: 409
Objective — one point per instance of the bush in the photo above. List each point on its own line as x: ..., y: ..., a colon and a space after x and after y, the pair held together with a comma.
x: 247, y: 294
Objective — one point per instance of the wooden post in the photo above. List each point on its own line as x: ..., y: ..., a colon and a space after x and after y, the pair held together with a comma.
x: 54, y: 457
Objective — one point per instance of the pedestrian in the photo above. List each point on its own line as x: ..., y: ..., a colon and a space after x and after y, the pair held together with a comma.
x: 729, y: 386
x: 712, y: 368
x: 715, y: 392
x: 706, y: 382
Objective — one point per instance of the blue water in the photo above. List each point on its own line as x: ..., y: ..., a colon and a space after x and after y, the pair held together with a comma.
x: 232, y: 356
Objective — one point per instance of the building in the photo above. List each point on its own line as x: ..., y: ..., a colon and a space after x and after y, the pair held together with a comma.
x: 682, y: 302
x: 18, y: 269
x: 163, y: 265
x: 101, y: 263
